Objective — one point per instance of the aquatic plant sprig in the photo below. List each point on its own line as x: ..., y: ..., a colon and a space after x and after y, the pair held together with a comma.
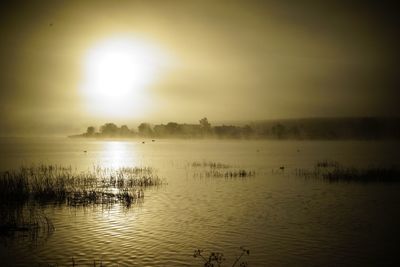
x: 217, y: 258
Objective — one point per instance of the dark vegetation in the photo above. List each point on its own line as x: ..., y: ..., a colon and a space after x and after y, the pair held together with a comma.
x: 58, y: 184
x: 324, y: 128
x: 210, y: 169
x: 332, y: 171
x: 24, y: 191
x: 213, y: 259
x: 209, y: 164
x: 239, y: 173
x: 217, y: 258
x: 25, y: 220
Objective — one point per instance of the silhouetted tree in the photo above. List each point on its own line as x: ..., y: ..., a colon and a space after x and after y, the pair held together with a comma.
x: 125, y: 130
x: 247, y: 131
x: 172, y: 128
x: 190, y: 130
x: 228, y: 131
x: 90, y: 131
x: 205, y: 126
x: 109, y: 129
x: 204, y: 123
x: 278, y: 130
x: 160, y: 130
x: 145, y: 129
x: 294, y: 131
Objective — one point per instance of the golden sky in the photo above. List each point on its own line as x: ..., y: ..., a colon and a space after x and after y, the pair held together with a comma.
x: 227, y: 60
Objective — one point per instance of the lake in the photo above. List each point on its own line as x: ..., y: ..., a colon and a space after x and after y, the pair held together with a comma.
x: 283, y: 219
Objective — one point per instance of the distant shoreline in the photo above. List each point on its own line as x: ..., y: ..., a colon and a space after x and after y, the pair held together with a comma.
x: 288, y: 129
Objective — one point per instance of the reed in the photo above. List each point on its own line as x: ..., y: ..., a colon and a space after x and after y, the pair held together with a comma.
x: 24, y: 191
x: 373, y: 174
x: 335, y: 172
x: 53, y: 183
x: 239, y: 173
x: 326, y: 164
x: 26, y: 220
x: 210, y: 169
x: 217, y: 258
x: 209, y: 164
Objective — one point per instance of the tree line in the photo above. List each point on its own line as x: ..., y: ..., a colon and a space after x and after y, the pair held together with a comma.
x: 323, y: 128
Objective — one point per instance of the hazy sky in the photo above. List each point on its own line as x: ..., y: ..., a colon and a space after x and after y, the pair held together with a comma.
x: 227, y: 60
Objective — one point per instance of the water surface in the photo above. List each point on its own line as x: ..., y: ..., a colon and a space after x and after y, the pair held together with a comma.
x: 284, y: 220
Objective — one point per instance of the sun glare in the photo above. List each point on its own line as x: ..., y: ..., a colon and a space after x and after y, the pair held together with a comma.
x: 118, y: 73
x: 117, y: 154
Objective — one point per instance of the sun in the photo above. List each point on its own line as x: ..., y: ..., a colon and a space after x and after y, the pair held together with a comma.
x: 117, y: 74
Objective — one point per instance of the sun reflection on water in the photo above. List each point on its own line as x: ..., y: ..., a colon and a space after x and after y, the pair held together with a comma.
x: 117, y: 154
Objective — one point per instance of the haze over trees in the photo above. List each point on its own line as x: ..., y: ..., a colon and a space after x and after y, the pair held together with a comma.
x: 310, y: 129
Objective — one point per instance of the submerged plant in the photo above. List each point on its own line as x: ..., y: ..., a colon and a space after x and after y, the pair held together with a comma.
x: 217, y: 258
x: 24, y: 220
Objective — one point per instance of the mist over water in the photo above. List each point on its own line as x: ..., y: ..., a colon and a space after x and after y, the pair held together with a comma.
x: 283, y: 219
x: 263, y: 129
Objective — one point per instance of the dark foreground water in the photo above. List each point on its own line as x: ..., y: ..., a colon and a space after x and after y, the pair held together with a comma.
x: 284, y: 220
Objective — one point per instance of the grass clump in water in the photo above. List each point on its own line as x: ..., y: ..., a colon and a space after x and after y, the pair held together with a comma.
x: 239, y: 173
x: 210, y: 169
x: 374, y: 174
x: 24, y: 191
x: 58, y: 184
x: 334, y: 172
x: 209, y: 164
